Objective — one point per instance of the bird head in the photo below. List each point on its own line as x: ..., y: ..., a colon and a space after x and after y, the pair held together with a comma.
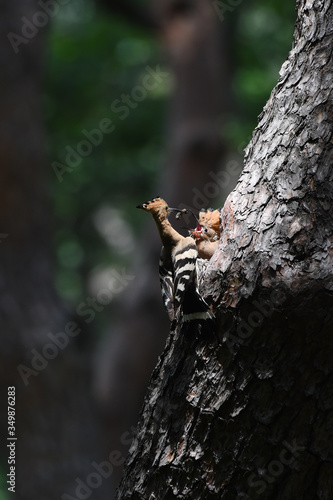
x: 208, y: 227
x: 158, y: 208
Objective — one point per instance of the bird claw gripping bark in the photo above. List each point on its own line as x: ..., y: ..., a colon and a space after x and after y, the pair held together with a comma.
x: 178, y: 274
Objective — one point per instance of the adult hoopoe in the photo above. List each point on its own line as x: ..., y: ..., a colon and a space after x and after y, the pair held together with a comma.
x: 178, y: 276
x: 207, y: 232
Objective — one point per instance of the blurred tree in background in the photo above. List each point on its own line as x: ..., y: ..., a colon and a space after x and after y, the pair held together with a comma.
x: 95, y: 55
x: 93, y: 59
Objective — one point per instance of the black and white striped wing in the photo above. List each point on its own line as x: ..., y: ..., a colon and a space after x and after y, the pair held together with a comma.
x: 166, y: 282
x: 184, y: 269
x: 186, y: 294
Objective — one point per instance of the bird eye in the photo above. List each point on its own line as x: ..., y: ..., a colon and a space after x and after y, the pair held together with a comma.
x: 166, y: 207
x: 144, y: 205
x: 205, y: 230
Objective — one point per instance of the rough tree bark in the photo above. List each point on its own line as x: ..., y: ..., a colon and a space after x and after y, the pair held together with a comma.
x: 252, y: 417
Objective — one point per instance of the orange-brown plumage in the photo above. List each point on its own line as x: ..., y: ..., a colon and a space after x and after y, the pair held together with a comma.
x: 207, y: 233
x: 211, y: 220
x: 160, y: 210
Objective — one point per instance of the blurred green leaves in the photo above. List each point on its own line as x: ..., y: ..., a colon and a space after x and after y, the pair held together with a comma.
x: 263, y: 39
x: 92, y: 59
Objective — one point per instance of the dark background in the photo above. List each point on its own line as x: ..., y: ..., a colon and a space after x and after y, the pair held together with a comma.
x: 90, y: 56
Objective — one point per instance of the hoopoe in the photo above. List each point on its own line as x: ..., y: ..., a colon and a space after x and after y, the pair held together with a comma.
x: 177, y: 266
x: 207, y: 233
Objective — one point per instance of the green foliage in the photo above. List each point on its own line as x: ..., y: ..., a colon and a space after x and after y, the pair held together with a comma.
x: 263, y: 36
x: 94, y: 59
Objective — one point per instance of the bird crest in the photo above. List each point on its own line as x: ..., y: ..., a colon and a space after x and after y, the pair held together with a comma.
x: 154, y: 205
x: 210, y: 219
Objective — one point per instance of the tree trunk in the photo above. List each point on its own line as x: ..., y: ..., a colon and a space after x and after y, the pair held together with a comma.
x: 251, y: 417
x: 55, y: 426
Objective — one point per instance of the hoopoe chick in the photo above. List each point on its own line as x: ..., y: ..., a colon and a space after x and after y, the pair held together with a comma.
x: 207, y: 233
x: 178, y: 277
